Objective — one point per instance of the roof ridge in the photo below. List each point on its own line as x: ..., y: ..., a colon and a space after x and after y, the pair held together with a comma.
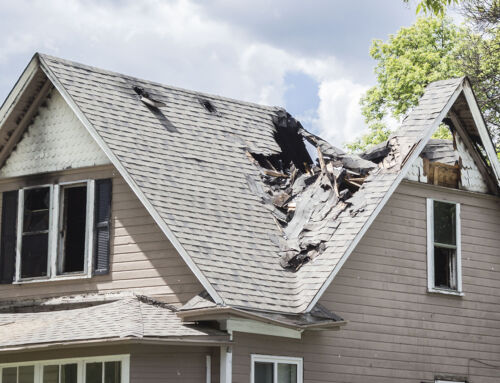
x: 156, y: 83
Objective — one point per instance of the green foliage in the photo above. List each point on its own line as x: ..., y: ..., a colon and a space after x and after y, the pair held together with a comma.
x: 436, y: 7
x: 431, y: 49
x: 442, y: 132
x: 378, y: 133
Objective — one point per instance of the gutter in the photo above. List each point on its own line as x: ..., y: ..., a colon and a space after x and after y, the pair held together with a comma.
x: 221, y: 341
x: 224, y: 313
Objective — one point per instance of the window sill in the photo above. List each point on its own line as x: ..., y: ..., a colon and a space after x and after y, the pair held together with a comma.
x: 445, y: 292
x: 54, y: 279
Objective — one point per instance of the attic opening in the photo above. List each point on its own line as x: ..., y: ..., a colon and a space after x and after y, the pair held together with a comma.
x: 147, y: 98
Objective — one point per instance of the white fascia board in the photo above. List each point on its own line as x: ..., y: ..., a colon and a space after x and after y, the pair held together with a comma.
x: 255, y: 327
x: 388, y: 195
x: 16, y: 92
x: 138, y: 192
x: 481, y: 127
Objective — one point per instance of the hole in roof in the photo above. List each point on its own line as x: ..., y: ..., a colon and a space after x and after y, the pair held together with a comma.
x: 207, y: 104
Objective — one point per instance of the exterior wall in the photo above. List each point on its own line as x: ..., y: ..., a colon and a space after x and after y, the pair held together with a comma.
x: 396, y: 331
x: 171, y: 364
x: 56, y: 140
x: 147, y: 363
x: 142, y: 258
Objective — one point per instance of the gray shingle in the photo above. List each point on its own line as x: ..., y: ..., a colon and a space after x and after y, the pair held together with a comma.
x: 195, y: 176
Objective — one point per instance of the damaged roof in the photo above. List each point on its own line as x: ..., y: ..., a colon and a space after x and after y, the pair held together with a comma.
x: 231, y: 184
x: 133, y: 318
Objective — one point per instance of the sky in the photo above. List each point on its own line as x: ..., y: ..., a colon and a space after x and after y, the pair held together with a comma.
x: 311, y: 57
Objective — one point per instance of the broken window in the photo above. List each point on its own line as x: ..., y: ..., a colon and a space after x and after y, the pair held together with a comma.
x: 73, y: 231
x: 276, y: 369
x: 444, y: 245
x: 35, y: 232
x: 61, y: 230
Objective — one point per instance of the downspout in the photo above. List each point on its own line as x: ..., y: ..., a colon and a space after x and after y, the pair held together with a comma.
x: 209, y: 369
x: 226, y: 362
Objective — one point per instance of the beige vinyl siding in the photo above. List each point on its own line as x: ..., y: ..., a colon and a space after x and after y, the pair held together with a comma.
x: 167, y: 363
x: 171, y: 364
x: 142, y: 258
x: 396, y: 331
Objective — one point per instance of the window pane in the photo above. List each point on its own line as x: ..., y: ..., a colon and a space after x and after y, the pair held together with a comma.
x: 34, y: 255
x: 73, y: 229
x: 93, y: 373
x: 68, y: 373
x: 9, y: 375
x: 51, y: 374
x: 444, y: 267
x: 26, y: 374
x: 263, y: 372
x: 36, y: 209
x: 112, y: 372
x: 287, y: 373
x: 445, y: 223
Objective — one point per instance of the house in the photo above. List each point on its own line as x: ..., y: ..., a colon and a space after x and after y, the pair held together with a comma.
x: 150, y: 233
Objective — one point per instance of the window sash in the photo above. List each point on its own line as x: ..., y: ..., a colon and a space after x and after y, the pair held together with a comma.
x: 275, y: 360
x: 54, y: 249
x: 430, y: 250
x: 81, y: 364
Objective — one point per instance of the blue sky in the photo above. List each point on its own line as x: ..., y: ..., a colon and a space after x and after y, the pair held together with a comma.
x: 311, y: 57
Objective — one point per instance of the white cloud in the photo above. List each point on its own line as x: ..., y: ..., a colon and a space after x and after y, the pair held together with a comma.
x: 178, y: 43
x: 339, y: 114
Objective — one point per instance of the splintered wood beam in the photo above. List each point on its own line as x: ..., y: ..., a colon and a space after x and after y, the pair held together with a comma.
x: 25, y: 121
x: 478, y: 159
x: 321, y: 159
x: 274, y: 173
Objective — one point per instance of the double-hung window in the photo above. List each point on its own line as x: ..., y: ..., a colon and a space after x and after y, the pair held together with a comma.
x: 443, y: 247
x: 276, y: 369
x: 55, y: 231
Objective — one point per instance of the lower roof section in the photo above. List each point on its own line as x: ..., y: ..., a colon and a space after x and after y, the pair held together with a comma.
x: 129, y: 319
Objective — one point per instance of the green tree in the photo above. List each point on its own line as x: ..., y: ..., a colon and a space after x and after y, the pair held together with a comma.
x: 431, y: 49
x: 436, y: 7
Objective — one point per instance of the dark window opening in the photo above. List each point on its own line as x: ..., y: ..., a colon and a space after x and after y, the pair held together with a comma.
x: 445, y: 245
x: 73, y: 229
x: 35, y: 233
x: 444, y: 266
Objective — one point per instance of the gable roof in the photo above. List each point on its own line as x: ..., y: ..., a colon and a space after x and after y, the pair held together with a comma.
x: 189, y: 167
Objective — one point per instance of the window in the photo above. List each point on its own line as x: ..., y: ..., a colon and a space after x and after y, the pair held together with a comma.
x: 56, y: 231
x: 443, y: 247
x: 276, y: 369
x: 110, y: 369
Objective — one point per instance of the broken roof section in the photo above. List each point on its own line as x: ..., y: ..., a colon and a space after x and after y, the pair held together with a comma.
x: 200, y: 175
x: 135, y: 318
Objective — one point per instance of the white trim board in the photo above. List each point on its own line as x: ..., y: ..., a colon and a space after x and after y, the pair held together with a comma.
x: 135, y: 188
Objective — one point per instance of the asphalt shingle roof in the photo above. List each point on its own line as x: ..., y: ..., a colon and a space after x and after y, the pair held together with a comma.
x: 125, y: 318
x: 192, y: 167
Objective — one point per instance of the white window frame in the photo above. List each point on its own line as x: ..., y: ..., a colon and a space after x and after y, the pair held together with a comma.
x: 449, y: 381
x: 430, y: 249
x: 55, y: 210
x: 299, y: 362
x: 80, y: 362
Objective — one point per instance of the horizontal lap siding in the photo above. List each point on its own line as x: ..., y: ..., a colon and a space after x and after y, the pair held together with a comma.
x: 396, y: 331
x: 142, y: 258
x: 170, y: 364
